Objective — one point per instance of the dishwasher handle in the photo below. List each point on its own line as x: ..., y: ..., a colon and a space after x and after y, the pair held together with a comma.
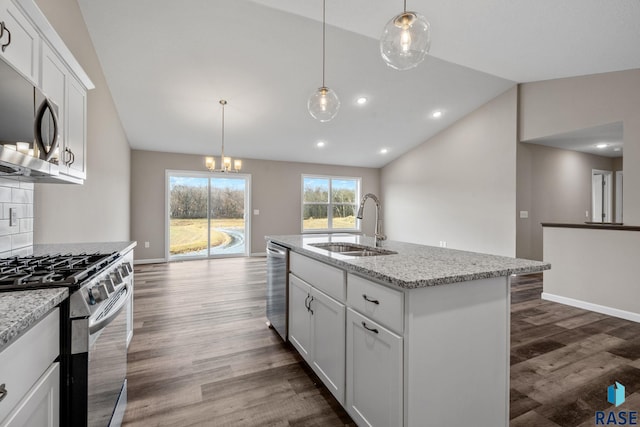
x: 276, y: 252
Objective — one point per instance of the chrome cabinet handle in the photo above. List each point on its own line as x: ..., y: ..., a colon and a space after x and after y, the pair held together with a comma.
x: 306, y: 300
x: 72, y: 157
x: 364, y: 325
x: 375, y: 301
x: 310, y: 301
x: 3, y: 391
x: 4, y: 28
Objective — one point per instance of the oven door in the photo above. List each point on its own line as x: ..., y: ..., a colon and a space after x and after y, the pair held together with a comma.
x: 107, y: 366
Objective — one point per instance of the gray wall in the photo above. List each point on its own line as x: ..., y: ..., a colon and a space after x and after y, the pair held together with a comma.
x: 563, y: 105
x: 17, y: 239
x: 553, y: 185
x: 276, y: 192
x: 460, y: 185
x: 99, y: 209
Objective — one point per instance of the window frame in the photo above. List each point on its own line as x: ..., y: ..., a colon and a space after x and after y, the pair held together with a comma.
x: 330, y: 204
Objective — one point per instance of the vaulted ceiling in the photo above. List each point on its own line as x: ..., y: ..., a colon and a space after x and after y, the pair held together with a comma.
x: 168, y: 63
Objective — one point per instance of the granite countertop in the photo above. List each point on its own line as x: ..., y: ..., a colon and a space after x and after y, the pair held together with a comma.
x: 20, y: 310
x: 413, y: 266
x: 88, y: 248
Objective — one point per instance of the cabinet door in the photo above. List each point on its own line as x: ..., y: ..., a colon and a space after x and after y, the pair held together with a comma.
x: 53, y: 82
x: 328, y: 334
x: 41, y: 405
x: 75, y: 143
x: 300, y: 316
x: 374, y: 373
x: 20, y: 41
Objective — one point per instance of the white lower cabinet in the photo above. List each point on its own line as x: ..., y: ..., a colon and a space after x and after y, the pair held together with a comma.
x: 40, y: 407
x: 374, y: 373
x: 31, y: 377
x: 317, y: 330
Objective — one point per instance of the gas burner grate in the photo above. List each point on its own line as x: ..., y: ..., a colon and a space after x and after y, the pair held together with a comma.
x: 51, y: 270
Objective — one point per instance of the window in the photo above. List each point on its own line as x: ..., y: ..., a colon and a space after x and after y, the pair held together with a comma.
x: 330, y: 203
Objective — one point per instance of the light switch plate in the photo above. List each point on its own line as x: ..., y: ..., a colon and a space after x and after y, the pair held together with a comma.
x: 524, y: 214
x: 13, y: 217
x: 256, y: 211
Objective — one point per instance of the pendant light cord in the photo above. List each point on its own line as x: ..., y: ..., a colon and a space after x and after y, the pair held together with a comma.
x: 405, y: 6
x: 222, y: 160
x: 324, y: 7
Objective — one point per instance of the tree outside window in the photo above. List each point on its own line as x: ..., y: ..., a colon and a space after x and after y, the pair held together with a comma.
x: 329, y: 203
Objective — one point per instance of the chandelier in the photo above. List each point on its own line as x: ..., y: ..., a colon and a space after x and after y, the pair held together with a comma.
x: 225, y: 162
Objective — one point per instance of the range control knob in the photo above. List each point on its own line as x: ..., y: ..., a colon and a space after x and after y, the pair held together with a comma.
x: 116, y: 277
x: 127, y: 265
x: 99, y: 293
x: 124, y: 271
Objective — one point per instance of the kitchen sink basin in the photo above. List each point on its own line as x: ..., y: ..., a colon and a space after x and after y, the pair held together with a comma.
x: 350, y: 249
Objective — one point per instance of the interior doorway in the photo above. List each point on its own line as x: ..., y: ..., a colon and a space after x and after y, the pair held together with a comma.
x: 601, y: 196
x: 207, y: 215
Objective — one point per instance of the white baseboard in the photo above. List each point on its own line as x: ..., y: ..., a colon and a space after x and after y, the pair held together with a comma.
x: 259, y: 254
x: 149, y: 261
x: 609, y: 311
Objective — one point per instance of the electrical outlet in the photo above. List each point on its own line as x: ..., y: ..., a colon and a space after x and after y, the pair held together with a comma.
x: 146, y: 245
x: 524, y: 214
x: 586, y: 214
x: 444, y: 243
x: 13, y: 217
x: 256, y: 211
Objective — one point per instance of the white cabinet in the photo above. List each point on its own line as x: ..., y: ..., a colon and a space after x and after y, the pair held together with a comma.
x: 374, y: 373
x: 30, y: 376
x: 57, y: 82
x: 317, y: 331
x: 300, y: 317
x: 40, y: 407
x: 19, y: 40
x: 75, y: 143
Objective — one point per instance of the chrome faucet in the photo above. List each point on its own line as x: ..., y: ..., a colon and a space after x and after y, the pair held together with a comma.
x: 378, y: 232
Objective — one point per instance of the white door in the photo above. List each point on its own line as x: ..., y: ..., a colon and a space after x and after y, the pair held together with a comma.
x: 601, y: 196
x: 374, y: 373
x: 300, y: 317
x: 328, y: 334
x: 41, y: 405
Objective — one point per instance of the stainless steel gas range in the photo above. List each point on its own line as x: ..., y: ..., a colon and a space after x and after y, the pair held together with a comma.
x: 93, y: 329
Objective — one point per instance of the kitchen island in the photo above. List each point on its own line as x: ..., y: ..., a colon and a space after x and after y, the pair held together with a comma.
x: 416, y: 337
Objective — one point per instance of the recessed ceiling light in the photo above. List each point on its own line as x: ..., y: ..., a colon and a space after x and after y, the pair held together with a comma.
x: 602, y: 145
x: 362, y: 100
x: 436, y: 114
x: 384, y: 151
x: 320, y: 144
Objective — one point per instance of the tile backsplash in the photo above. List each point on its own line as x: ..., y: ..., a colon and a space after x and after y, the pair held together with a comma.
x: 16, y: 239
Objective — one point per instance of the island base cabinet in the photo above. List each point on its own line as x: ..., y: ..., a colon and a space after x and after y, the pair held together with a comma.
x: 300, y: 317
x: 328, y: 342
x: 317, y: 330
x: 374, y: 373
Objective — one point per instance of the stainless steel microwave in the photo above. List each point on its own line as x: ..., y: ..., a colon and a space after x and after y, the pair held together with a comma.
x: 29, y: 128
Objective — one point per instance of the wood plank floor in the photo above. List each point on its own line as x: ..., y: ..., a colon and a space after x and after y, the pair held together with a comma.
x: 202, y: 355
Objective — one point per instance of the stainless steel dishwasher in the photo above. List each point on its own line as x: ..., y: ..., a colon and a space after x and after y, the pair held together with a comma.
x: 277, y: 288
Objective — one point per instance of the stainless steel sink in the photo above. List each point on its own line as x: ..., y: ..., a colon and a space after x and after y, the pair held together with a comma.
x: 351, y: 249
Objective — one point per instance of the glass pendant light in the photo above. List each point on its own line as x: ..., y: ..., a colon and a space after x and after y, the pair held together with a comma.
x: 406, y: 40
x: 323, y: 104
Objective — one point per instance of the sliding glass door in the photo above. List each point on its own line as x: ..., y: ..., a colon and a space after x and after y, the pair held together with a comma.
x: 207, y: 215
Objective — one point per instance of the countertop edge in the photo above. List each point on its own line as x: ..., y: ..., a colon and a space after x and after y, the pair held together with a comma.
x: 594, y: 226
x: 395, y: 282
x: 88, y: 247
x: 17, y: 327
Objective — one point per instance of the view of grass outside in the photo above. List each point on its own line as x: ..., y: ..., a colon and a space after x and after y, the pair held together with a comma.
x: 190, y: 235
x: 192, y: 201
x: 329, y: 203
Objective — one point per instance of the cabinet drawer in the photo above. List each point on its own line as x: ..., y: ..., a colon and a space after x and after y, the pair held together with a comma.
x: 329, y: 280
x: 376, y: 301
x: 26, y: 359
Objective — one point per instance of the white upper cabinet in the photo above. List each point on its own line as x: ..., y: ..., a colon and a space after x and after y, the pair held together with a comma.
x: 19, y: 41
x: 32, y: 46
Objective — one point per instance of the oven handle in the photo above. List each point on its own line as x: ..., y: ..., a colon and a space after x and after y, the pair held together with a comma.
x: 95, y: 327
